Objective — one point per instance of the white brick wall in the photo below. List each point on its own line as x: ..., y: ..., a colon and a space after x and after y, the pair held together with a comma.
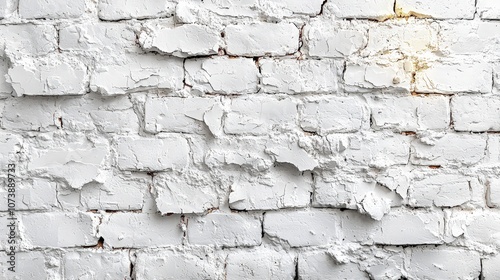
x: 250, y: 139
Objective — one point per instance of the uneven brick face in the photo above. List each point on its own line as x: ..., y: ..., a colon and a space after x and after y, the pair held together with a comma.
x: 250, y: 139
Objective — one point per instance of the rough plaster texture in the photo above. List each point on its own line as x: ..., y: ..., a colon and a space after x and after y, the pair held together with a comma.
x: 255, y: 139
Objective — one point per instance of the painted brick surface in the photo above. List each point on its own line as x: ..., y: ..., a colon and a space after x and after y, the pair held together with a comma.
x: 249, y: 139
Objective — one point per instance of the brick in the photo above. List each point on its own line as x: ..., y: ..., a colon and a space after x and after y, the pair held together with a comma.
x: 174, y: 114
x: 410, y: 113
x: 200, y: 263
x: 333, y: 114
x: 253, y: 39
x: 134, y: 9
x: 444, y: 190
x: 34, y: 113
x: 27, y: 265
x: 28, y: 39
x: 462, y: 9
x: 320, y: 265
x: 279, y: 188
x: 51, y: 9
x: 57, y: 75
x: 443, y: 263
x: 224, y: 229
x: 260, y: 264
x: 451, y: 149
x: 362, y: 78
x: 183, y: 41
x: 150, y: 154
x: 58, y: 229
x: 493, y: 192
x: 89, y: 158
x: 490, y: 269
x: 139, y: 73
x: 469, y: 38
x: 377, y: 150
x: 362, y: 9
x: 454, y: 78
x: 137, y: 230
x: 310, y: 8
x: 408, y: 37
x: 333, y: 39
x: 488, y: 9
x: 91, y: 37
x: 99, y: 265
x: 259, y: 114
x: 480, y: 226
x: 293, y: 76
x: 398, y: 227
x: 187, y: 193
x: 10, y: 145
x: 7, y: 8
x: 32, y: 194
x: 5, y: 87
x: 197, y: 11
x: 303, y: 227
x: 285, y: 150
x: 475, y: 113
x: 222, y: 75
x: 115, y: 193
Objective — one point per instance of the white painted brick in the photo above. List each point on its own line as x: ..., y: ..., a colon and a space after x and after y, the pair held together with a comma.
x: 131, y: 9
x: 412, y: 113
x: 398, y: 227
x: 222, y: 75
x: 5, y: 87
x: 444, y: 190
x: 51, y: 9
x: 490, y: 268
x: 58, y: 229
x: 443, y: 263
x: 104, y: 38
x: 32, y: 194
x: 312, y: 7
x: 493, y: 192
x: 58, y: 75
x: 469, y: 38
x: 408, y: 37
x: 225, y: 229
x: 115, y: 193
x: 7, y: 8
x: 152, y: 154
x: 333, y: 39
x: 258, y: 115
x: 303, y: 227
x: 136, y: 230
x: 28, y: 39
x: 279, y: 188
x: 174, y: 114
x: 10, y: 145
x: 333, y: 114
x: 461, y: 9
x: 253, y: 39
x: 480, y: 226
x: 194, y: 11
x: 451, y: 149
x: 369, y: 77
x: 190, y: 193
x: 199, y: 263
x: 29, y: 265
x: 96, y: 265
x: 322, y: 265
x: 475, y: 113
x: 293, y: 76
x: 89, y: 158
x: 33, y: 113
x: 492, y: 152
x: 138, y: 73
x: 378, y: 150
x: 285, y: 150
x: 183, y: 41
x: 455, y: 78
x: 488, y: 9
x: 363, y: 9
x: 260, y: 264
